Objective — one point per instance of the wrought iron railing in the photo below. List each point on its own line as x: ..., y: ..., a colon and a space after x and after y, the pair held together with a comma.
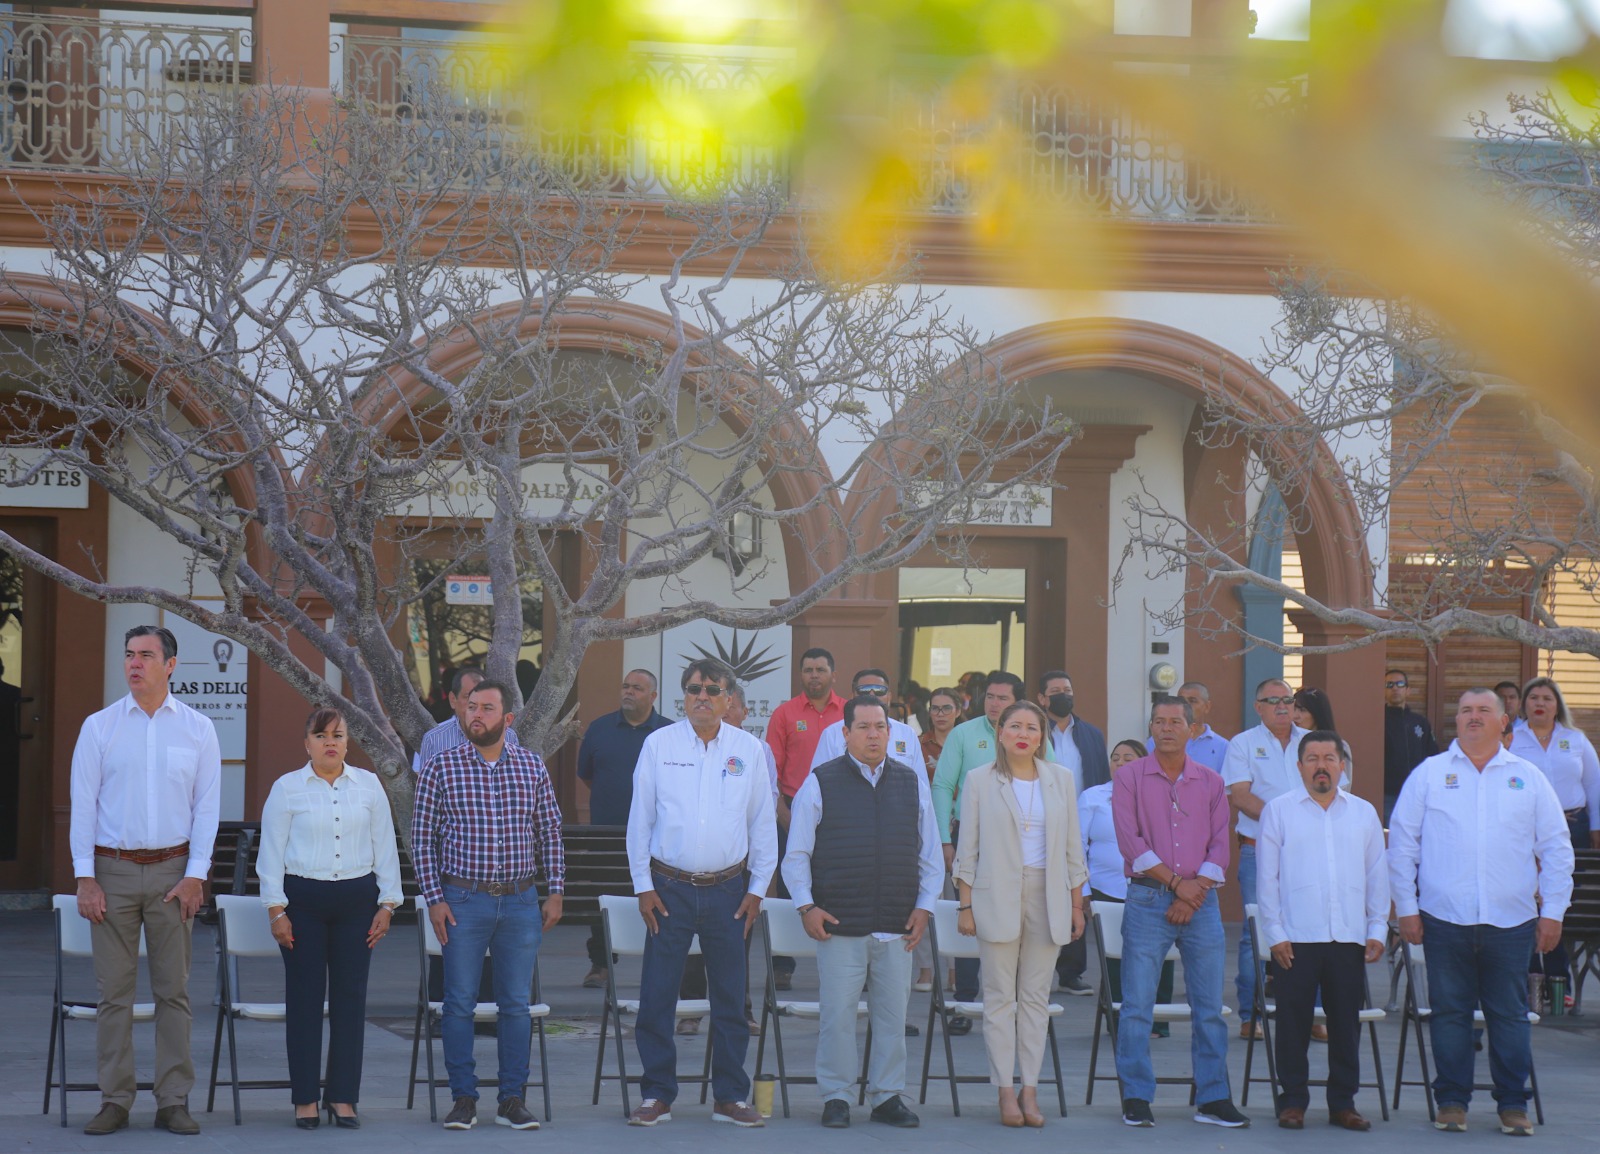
x: 1069, y: 148
x: 86, y: 92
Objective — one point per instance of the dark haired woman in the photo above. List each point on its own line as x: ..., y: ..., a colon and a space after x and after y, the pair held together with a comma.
x: 330, y: 878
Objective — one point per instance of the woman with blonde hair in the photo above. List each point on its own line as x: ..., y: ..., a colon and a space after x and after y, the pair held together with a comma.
x: 1020, y: 875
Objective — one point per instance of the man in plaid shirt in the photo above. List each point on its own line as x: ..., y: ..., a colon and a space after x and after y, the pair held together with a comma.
x: 485, y: 824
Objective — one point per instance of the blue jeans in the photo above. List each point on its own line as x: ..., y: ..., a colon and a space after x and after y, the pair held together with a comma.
x: 1146, y: 938
x: 1244, y: 981
x: 706, y: 911
x: 1469, y: 966
x: 512, y: 927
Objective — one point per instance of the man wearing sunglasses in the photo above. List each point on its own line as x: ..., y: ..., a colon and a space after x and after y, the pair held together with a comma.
x: 1261, y: 763
x: 702, y: 848
x: 904, y: 744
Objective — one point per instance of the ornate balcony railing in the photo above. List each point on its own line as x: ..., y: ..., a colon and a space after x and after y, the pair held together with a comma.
x: 1071, y: 148
x: 86, y: 92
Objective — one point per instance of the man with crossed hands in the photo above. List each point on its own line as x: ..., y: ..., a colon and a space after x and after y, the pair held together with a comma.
x: 1323, y: 894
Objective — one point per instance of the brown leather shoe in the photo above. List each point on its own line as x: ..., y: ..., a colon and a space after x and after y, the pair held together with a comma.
x: 176, y: 1120
x: 1516, y: 1123
x: 1319, y: 1033
x: 1248, y: 1030
x: 1451, y: 1118
x: 1348, y: 1120
x: 110, y: 1119
x: 738, y: 1113
x: 1292, y: 1118
x: 649, y: 1112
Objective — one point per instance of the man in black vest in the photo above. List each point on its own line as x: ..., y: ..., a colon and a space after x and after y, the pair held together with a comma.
x: 864, y: 866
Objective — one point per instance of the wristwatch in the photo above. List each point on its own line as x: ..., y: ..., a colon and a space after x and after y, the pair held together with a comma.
x: 804, y: 910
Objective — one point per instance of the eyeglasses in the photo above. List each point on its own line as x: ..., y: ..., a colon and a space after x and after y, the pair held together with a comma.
x: 874, y: 690
x: 1394, y: 684
x: 941, y: 709
x: 1275, y: 701
x: 709, y: 689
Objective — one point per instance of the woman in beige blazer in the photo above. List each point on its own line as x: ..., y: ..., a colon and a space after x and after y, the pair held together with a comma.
x: 1019, y: 875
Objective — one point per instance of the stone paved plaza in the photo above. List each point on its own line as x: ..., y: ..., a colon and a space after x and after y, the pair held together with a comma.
x: 1567, y: 1055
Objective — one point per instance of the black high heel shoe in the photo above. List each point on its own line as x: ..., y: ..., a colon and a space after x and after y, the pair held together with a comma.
x: 307, y: 1122
x: 343, y: 1121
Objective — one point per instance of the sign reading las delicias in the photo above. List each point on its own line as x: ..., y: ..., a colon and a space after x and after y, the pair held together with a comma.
x: 213, y: 677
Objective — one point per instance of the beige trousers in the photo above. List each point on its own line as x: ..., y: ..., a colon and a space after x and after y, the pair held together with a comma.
x: 133, y: 900
x: 1016, y: 990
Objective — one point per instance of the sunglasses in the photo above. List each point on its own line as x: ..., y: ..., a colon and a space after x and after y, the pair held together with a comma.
x: 1394, y: 684
x: 874, y: 690
x: 711, y: 689
x: 1275, y: 701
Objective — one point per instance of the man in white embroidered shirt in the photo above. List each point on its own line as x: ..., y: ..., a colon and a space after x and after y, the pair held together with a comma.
x: 1476, y: 835
x: 702, y: 848
x: 1323, y: 908
x: 146, y: 781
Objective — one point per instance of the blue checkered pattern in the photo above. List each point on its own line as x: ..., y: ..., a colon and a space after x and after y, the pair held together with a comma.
x: 486, y: 823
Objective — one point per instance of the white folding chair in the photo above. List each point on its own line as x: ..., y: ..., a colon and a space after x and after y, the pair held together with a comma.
x: 74, y: 940
x: 624, y: 929
x: 784, y: 935
x: 1266, y: 1012
x: 1107, y: 917
x: 243, y: 931
x: 1416, y: 1010
x: 949, y: 944
x: 430, y: 1014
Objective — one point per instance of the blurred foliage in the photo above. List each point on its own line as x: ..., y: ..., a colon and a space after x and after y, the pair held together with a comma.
x: 1363, y: 174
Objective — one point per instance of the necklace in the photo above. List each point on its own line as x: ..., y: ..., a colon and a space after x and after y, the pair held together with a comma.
x: 1027, y: 817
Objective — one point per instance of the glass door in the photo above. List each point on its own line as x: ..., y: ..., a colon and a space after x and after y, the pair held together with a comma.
x: 24, y: 743
x: 955, y: 621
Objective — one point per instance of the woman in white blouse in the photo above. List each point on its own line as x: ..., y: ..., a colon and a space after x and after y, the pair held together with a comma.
x: 330, y: 878
x: 1020, y: 876
x: 1548, y: 738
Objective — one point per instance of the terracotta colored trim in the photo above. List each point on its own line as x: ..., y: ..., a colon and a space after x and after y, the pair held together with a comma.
x: 1136, y: 255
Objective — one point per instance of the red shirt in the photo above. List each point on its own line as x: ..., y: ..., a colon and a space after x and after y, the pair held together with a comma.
x: 793, y: 731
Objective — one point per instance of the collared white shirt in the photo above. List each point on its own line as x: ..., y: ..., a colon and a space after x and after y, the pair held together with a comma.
x: 1569, y: 762
x: 806, y: 812
x: 1100, y: 850
x: 904, y: 745
x: 1271, y: 769
x: 142, y: 782
x: 329, y: 832
x: 1065, y: 750
x: 1474, y: 848
x: 702, y: 806
x: 1321, y: 874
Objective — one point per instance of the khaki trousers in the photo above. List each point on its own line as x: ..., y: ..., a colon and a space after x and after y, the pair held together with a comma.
x: 134, y: 896
x: 1016, y: 990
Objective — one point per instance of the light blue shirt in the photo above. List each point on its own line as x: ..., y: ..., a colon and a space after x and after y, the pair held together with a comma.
x: 1210, y: 749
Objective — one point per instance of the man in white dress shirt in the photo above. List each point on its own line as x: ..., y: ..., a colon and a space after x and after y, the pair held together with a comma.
x: 146, y: 781
x: 1323, y: 908
x: 1260, y: 764
x: 865, y: 865
x: 1480, y: 865
x: 904, y: 744
x: 702, y: 848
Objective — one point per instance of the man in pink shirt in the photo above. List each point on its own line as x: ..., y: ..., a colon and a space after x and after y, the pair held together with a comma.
x: 793, y: 731
x: 1171, y: 816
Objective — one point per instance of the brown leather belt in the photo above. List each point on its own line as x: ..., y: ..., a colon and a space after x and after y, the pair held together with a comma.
x: 493, y: 889
x: 143, y: 856
x: 1576, y: 811
x: 1246, y: 840
x: 700, y: 879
